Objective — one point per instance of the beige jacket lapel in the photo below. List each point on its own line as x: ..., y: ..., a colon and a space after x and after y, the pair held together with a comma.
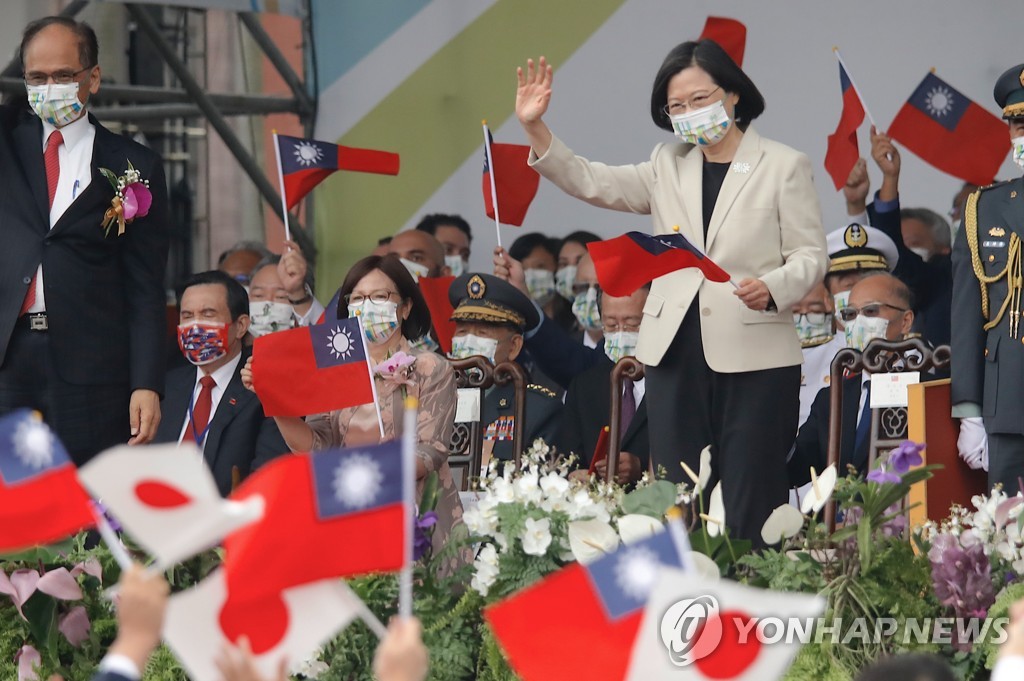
x: 690, y: 167
x: 744, y: 164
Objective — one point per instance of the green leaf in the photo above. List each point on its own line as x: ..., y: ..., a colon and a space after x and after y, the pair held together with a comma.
x: 111, y: 177
x: 428, y: 500
x: 652, y: 500
x: 864, y: 542
x: 41, y: 612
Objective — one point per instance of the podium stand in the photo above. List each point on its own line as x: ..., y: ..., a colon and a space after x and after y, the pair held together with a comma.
x: 929, y: 421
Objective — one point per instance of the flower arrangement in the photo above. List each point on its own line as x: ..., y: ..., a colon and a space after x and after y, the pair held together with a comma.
x: 132, y: 199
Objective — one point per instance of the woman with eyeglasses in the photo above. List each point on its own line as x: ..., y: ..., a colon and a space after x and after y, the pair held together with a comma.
x: 382, y: 292
x: 723, y: 361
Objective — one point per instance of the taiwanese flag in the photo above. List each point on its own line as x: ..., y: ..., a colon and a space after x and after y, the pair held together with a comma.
x: 951, y: 132
x: 435, y: 292
x: 331, y: 309
x: 626, y: 263
x: 730, y: 34
x: 842, y: 152
x: 332, y: 513
x: 306, y: 163
x: 41, y: 500
x: 312, y: 369
x: 515, y: 182
x: 581, y: 622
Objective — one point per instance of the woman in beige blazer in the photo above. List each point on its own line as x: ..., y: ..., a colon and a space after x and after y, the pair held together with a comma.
x: 723, y: 360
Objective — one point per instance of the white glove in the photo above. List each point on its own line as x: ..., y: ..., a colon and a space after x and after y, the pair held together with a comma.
x: 973, y: 443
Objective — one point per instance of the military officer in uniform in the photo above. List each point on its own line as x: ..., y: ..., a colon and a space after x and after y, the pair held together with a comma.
x: 988, y: 353
x: 490, y: 318
x: 855, y: 251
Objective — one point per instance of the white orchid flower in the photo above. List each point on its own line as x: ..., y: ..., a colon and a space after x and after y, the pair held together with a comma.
x: 820, y: 490
x: 536, y: 536
x: 591, y: 539
x: 636, y: 527
x: 784, y: 522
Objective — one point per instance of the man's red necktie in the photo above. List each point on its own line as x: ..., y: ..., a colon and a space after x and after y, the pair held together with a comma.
x: 200, y: 415
x: 51, y: 159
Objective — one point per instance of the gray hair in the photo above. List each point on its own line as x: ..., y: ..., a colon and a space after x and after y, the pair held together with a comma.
x: 254, y: 246
x: 938, y: 225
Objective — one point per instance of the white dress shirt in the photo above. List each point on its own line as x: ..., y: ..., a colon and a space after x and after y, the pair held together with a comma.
x: 639, y: 390
x: 312, y: 314
x: 75, y: 157
x: 221, y: 377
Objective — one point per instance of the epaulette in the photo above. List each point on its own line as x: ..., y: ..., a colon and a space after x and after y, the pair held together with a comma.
x: 547, y: 392
x: 998, y: 183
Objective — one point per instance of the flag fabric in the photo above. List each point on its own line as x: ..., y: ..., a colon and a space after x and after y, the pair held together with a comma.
x: 312, y: 369
x: 627, y: 262
x: 600, y: 450
x: 41, y: 500
x: 694, y: 628
x: 729, y: 33
x: 331, y: 309
x: 842, y: 152
x: 435, y: 292
x: 515, y: 182
x: 165, y: 498
x: 290, y: 625
x: 581, y: 622
x: 305, y: 163
x: 332, y: 513
x: 951, y: 132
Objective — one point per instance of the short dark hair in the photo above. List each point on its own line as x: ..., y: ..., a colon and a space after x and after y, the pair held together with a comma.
x: 88, y: 46
x: 418, y: 323
x: 709, y: 56
x: 238, y: 299
x: 384, y: 240
x: 581, y: 237
x: 524, y: 245
x: 430, y: 223
x: 908, y: 667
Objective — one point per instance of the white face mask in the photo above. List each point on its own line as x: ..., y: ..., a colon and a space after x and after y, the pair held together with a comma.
x: 863, y: 330
x: 456, y: 264
x: 620, y: 344
x: 922, y: 253
x: 380, y: 320
x: 415, y: 269
x: 840, y: 300
x: 584, y: 308
x: 564, y: 279
x: 269, y: 316
x: 540, y: 284
x: 703, y: 127
x: 469, y: 345
x: 56, y: 103
x: 1017, y: 144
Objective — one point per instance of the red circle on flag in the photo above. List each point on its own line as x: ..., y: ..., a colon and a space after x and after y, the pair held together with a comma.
x: 732, y: 656
x: 263, y: 622
x: 160, y: 495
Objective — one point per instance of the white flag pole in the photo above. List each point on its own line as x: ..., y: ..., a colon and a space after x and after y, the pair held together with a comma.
x: 370, y: 368
x: 280, y: 183
x: 409, y: 439
x: 494, y: 190
x: 109, y: 537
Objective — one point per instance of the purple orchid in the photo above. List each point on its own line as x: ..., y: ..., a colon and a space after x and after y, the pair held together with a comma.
x: 394, y: 364
x: 137, y: 201
x: 962, y: 576
x: 422, y: 532
x: 882, y: 476
x: 907, y: 455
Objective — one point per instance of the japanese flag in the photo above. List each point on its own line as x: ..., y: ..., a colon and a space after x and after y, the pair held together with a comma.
x: 165, y: 498
x: 291, y: 625
x: 697, y: 629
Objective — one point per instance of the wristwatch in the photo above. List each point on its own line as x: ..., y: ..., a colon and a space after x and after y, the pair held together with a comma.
x: 305, y: 299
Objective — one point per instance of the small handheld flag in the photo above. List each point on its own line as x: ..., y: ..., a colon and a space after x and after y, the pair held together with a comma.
x: 842, y: 152
x: 626, y: 263
x: 729, y: 33
x: 508, y: 180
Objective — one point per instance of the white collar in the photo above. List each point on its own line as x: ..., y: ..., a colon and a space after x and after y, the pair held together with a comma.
x: 73, y: 132
x: 224, y: 374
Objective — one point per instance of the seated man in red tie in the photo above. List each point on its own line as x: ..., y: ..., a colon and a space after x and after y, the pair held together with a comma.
x: 588, y: 400
x: 207, y: 404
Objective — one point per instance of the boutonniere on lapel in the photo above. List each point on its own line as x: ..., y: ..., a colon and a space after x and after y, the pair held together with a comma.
x: 132, y: 199
x: 395, y: 370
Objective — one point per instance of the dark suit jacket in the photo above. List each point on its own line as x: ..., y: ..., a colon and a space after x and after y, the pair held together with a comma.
x: 587, y: 408
x: 811, y: 447
x: 104, y: 294
x: 559, y: 355
x: 240, y: 433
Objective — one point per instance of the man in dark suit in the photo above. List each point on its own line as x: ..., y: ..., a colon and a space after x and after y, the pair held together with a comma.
x: 588, y: 400
x: 207, y: 404
x: 881, y: 308
x: 81, y: 309
x: 988, y: 355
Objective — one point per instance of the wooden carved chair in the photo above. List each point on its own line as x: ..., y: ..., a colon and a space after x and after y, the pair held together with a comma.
x: 465, y: 453
x: 888, y: 424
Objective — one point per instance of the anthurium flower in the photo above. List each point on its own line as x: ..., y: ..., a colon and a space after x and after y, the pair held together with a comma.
x: 23, y: 583
x: 700, y: 480
x: 706, y: 568
x: 28, y: 659
x: 783, y: 523
x: 907, y: 455
x: 75, y: 625
x: 820, y: 491
x: 636, y: 527
x: 591, y: 539
x: 715, y: 516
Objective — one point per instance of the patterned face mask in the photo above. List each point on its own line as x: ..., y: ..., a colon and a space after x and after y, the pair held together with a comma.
x: 703, y: 127
x: 469, y: 345
x: 814, y: 328
x: 456, y: 264
x: 840, y: 300
x: 203, y: 342
x: 380, y: 320
x: 56, y: 103
x: 863, y: 330
x: 564, y: 279
x: 584, y: 307
x: 540, y: 283
x: 415, y: 269
x: 269, y: 316
x: 1017, y: 144
x: 425, y: 343
x: 620, y: 344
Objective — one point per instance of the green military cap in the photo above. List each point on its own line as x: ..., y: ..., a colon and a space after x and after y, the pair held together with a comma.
x: 1009, y: 92
x: 479, y: 297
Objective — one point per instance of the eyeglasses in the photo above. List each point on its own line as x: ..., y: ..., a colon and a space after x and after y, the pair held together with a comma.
x: 698, y: 101
x: 59, y: 77
x: 381, y: 296
x: 621, y: 327
x: 848, y: 314
x: 811, y: 317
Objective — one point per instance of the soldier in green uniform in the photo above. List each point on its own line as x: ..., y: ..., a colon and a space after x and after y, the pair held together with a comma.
x: 490, y: 317
x: 987, y: 344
